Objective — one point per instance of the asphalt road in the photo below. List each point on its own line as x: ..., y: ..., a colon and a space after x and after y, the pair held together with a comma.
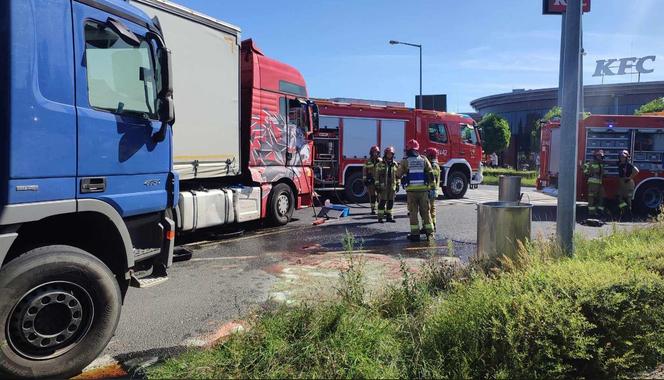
x: 228, y: 275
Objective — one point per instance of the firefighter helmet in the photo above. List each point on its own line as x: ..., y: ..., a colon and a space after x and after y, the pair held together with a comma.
x: 431, y: 152
x: 389, y: 149
x: 374, y: 149
x: 412, y: 145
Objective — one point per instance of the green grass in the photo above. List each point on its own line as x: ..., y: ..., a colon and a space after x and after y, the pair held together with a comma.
x: 528, y: 178
x: 541, y: 314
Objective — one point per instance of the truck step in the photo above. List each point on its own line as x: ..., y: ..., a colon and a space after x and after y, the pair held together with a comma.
x: 146, y: 282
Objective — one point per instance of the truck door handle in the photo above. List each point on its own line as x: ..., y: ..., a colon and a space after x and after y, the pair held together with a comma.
x: 93, y: 185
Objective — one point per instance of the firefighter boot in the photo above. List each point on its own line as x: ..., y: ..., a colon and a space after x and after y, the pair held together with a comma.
x: 414, y: 238
x: 390, y: 219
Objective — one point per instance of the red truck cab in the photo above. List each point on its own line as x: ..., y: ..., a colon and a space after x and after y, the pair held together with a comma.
x: 277, y: 123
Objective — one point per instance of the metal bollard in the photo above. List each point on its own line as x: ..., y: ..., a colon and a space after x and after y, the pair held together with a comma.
x: 500, y: 226
x: 509, y: 189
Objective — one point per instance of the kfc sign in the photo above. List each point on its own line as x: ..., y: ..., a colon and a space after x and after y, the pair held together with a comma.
x: 556, y: 7
x: 622, y: 66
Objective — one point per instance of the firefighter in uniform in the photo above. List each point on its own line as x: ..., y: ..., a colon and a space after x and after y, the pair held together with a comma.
x: 387, y: 185
x: 594, y: 172
x: 369, y: 176
x: 415, y: 171
x: 432, y: 156
x: 626, y: 173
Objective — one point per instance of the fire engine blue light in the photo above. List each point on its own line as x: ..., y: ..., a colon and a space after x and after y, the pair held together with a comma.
x: 610, y: 126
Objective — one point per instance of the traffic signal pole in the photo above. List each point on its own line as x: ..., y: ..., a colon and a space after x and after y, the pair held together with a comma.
x: 566, y: 212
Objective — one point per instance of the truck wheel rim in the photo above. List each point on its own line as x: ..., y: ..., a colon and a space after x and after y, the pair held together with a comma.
x: 457, y: 185
x: 50, y: 320
x: 358, y: 189
x: 283, y: 204
x: 653, y: 198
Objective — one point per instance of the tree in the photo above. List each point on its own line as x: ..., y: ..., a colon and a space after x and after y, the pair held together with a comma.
x: 495, y: 133
x: 535, y: 136
x: 656, y: 105
x: 554, y: 113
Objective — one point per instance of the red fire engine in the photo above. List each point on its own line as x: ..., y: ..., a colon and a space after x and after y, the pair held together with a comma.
x: 347, y: 131
x: 642, y: 136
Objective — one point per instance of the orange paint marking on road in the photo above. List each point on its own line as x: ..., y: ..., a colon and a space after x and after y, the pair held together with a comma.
x: 224, y: 332
x: 111, y: 371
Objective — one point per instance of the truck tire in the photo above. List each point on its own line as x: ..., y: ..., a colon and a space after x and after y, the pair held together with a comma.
x: 355, y: 190
x: 282, y: 204
x: 650, y: 198
x: 60, y: 307
x: 457, y: 185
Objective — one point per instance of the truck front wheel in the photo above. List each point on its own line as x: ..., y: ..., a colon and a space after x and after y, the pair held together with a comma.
x: 59, y: 307
x: 457, y: 185
x: 282, y: 204
x: 355, y: 189
x: 650, y: 198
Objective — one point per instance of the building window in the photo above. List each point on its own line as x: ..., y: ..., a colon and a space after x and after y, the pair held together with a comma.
x: 438, y: 133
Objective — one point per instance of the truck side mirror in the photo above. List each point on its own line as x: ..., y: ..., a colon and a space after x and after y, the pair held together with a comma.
x: 165, y: 105
x: 166, y: 113
x: 165, y: 61
x: 166, y: 109
x: 315, y: 117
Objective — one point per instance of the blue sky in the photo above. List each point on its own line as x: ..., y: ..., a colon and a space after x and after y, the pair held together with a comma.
x: 472, y: 48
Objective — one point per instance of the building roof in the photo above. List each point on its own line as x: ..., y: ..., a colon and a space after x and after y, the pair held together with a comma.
x: 551, y: 94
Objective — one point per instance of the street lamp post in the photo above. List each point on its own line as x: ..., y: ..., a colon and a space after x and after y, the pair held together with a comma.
x: 393, y: 42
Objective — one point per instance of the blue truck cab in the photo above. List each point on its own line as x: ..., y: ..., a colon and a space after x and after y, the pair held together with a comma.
x: 86, y: 176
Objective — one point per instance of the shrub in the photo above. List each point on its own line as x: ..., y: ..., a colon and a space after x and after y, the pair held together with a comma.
x: 656, y: 105
x: 640, y: 248
x: 528, y: 178
x: 325, y: 341
x: 572, y: 318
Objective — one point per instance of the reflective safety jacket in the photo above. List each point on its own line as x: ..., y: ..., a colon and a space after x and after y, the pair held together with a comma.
x: 417, y: 172
x: 369, y: 169
x: 386, y: 176
x: 435, y: 171
x: 594, y: 171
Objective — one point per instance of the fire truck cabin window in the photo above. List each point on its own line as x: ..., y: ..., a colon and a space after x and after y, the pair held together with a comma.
x: 438, y: 133
x: 468, y: 135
